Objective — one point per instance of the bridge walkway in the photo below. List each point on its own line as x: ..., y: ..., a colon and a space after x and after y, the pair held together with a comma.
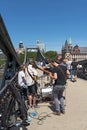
x: 75, y: 117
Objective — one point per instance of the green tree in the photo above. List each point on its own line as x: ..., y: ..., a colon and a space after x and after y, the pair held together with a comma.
x: 31, y: 55
x: 52, y: 55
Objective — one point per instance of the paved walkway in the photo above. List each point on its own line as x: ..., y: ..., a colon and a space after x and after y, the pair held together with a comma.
x: 75, y: 117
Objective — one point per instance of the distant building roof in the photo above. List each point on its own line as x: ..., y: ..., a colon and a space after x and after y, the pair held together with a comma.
x: 83, y: 49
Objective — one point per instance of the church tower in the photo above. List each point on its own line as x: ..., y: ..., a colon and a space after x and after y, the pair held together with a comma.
x: 70, y: 45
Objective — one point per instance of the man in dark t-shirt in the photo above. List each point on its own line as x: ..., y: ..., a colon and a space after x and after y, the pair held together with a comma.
x: 59, y: 74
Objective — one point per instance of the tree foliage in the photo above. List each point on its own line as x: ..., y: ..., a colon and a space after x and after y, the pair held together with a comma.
x: 52, y: 55
x: 31, y: 55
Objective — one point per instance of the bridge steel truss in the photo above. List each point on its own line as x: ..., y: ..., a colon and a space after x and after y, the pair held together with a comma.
x: 39, y: 56
x: 8, y: 49
x: 9, y: 80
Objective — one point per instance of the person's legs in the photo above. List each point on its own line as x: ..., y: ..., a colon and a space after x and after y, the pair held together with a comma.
x: 34, y: 93
x: 21, y: 104
x: 56, y: 100
x: 30, y: 100
x: 30, y: 95
x: 34, y: 100
x: 75, y: 75
x: 70, y: 76
x: 61, y: 98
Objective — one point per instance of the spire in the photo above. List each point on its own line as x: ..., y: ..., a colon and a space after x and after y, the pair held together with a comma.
x: 66, y: 43
x: 70, y: 41
x: 70, y: 45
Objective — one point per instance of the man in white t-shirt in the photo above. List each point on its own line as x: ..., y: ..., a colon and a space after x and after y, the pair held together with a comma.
x: 22, y: 82
x: 31, y: 73
x: 22, y: 77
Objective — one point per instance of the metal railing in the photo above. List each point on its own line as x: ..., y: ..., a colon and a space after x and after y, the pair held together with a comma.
x: 8, y: 104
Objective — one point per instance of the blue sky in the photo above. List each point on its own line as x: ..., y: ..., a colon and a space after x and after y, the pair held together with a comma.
x: 51, y: 21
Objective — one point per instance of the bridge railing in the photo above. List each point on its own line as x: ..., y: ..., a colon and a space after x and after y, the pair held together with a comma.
x: 8, y: 49
x: 7, y: 103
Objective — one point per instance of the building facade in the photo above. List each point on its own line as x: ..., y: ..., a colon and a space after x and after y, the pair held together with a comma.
x: 76, y: 52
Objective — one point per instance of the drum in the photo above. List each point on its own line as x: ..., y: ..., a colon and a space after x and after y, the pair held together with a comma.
x: 47, y: 92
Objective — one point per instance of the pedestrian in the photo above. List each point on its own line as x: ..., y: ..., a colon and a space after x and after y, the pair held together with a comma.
x: 22, y: 77
x: 22, y: 82
x: 74, y: 70
x: 31, y: 74
x: 17, y: 95
x: 68, y: 63
x: 59, y: 75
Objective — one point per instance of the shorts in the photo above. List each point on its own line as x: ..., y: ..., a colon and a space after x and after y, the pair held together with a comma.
x: 32, y: 89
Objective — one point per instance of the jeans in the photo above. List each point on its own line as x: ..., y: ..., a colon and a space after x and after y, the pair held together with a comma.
x: 17, y: 96
x: 58, y: 97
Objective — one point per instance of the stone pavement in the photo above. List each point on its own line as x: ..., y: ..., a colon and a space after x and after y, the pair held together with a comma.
x: 75, y: 117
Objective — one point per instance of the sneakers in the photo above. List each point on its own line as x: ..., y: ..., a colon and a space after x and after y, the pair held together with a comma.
x: 63, y: 111
x: 27, y: 121
x: 33, y: 114
x: 73, y: 80
x: 57, y: 113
